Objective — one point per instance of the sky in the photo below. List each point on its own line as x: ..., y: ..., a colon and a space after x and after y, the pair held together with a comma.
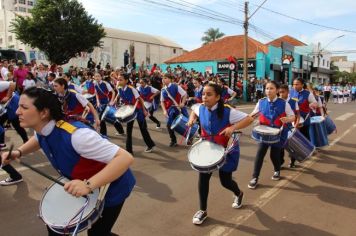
x: 146, y: 16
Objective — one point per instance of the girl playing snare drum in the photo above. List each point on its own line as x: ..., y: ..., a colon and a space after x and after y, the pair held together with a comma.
x: 76, y: 152
x: 273, y: 112
x: 218, y: 122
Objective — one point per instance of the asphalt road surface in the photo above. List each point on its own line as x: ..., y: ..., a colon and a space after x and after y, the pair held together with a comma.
x: 317, y: 198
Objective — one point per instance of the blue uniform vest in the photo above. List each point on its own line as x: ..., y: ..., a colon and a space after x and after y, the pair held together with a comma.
x: 128, y: 98
x: 270, y: 114
x: 103, y: 93
x: 60, y: 152
x: 302, y: 98
x: 211, y: 126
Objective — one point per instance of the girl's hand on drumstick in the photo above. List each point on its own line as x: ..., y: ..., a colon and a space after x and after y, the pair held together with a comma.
x: 77, y: 188
x: 228, y: 131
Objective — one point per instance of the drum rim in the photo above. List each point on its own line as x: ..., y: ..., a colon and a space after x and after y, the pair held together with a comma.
x: 199, y: 142
x: 254, y: 129
x: 123, y: 117
x: 87, y: 216
x: 178, y: 118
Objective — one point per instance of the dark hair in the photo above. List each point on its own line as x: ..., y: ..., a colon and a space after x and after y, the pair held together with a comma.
x: 284, y: 86
x: 67, y: 74
x: 300, y: 80
x: 30, y: 75
x: 44, y: 99
x: 52, y: 75
x: 274, y: 83
x: 218, y: 90
x: 198, y: 79
x: 169, y: 76
x: 145, y: 80
x: 61, y: 81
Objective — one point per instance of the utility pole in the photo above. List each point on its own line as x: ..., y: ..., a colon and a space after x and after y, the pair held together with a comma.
x: 245, y: 75
x: 318, y: 63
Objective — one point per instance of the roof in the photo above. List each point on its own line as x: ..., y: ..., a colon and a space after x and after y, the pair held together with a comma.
x: 222, y: 49
x: 140, y: 37
x: 287, y: 39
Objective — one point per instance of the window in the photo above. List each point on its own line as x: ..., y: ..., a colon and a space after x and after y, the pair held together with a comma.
x: 0, y: 40
x: 323, y: 62
x: 174, y: 50
x: 22, y: 9
x: 22, y: 1
x: 30, y: 3
x: 10, y: 38
x: 327, y: 63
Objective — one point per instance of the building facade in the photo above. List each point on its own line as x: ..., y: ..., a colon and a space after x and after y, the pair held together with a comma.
x: 344, y: 64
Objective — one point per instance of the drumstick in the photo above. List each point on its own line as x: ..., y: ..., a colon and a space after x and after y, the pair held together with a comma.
x: 41, y: 173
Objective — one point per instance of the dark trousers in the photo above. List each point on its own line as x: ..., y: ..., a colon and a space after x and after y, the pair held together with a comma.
x: 144, y: 132
x: 275, y: 155
x: 104, y: 224
x: 327, y: 96
x: 16, y: 124
x: 14, y: 174
x: 154, y: 119
x: 203, y: 185
x: 172, y: 136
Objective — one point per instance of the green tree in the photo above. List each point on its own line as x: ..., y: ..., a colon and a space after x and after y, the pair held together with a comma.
x: 211, y: 35
x: 59, y: 28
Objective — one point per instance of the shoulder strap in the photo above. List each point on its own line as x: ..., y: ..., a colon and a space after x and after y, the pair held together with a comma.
x: 66, y: 126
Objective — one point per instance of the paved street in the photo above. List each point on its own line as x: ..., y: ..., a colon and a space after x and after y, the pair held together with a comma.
x: 317, y: 198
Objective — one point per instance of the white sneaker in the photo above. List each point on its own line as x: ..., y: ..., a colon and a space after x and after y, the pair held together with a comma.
x: 199, y: 217
x: 9, y: 181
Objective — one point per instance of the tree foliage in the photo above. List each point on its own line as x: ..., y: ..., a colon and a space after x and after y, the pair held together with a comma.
x: 59, y: 28
x: 211, y: 35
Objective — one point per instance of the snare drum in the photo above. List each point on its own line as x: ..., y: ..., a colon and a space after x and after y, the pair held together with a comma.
x: 205, y: 156
x: 109, y: 114
x: 126, y: 113
x: 179, y: 125
x: 298, y: 146
x: 148, y: 105
x: 58, y: 209
x: 3, y: 110
x: 317, y: 131
x: 266, y: 134
x: 90, y: 97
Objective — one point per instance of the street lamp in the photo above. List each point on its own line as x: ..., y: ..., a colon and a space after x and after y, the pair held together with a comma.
x: 320, y: 55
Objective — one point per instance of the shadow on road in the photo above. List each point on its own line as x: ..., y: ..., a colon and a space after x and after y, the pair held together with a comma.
x: 154, y: 189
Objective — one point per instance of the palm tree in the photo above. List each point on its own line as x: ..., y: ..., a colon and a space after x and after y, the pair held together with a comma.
x: 211, y: 35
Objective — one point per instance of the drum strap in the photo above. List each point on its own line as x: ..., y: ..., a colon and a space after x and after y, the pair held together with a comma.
x: 66, y: 126
x: 170, y: 97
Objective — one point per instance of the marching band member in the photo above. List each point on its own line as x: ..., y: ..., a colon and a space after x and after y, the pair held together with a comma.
x: 319, y: 110
x: 75, y: 105
x: 198, y: 91
x: 148, y: 94
x: 7, y: 96
x: 102, y: 91
x: 284, y: 94
x: 78, y: 153
x: 306, y: 102
x: 218, y: 122
x: 273, y: 112
x: 71, y: 85
x: 130, y: 96
x: 227, y: 93
x: 173, y: 99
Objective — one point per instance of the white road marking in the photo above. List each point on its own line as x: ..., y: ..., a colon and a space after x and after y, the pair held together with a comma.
x: 270, y: 194
x: 344, y: 116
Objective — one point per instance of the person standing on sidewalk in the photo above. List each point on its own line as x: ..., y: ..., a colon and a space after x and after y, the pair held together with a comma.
x: 273, y: 112
x: 218, y: 122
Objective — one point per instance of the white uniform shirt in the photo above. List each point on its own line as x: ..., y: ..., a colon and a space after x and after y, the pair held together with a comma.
x: 88, y: 143
x: 235, y: 115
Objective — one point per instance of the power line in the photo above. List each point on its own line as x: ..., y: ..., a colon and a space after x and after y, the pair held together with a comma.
x: 307, y: 22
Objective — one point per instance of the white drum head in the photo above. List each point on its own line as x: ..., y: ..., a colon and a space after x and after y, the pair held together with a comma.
x: 263, y: 129
x: 125, y: 111
x: 148, y: 105
x: 205, y: 153
x: 59, y: 207
x: 317, y: 119
x: 88, y: 95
